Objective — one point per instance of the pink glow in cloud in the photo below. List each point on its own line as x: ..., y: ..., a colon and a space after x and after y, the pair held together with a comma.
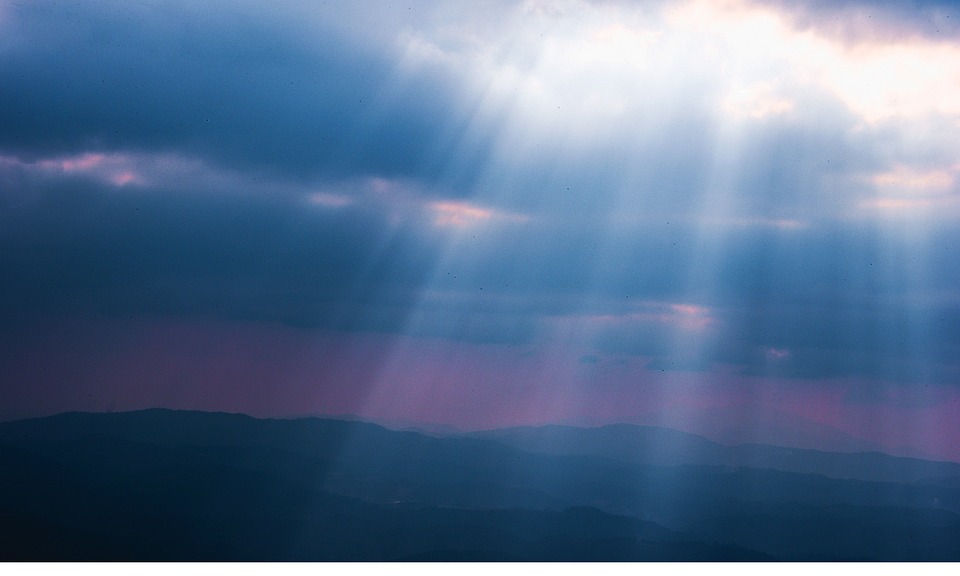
x: 125, y: 177
x: 83, y: 163
x: 906, y: 189
x: 117, y: 169
x: 463, y: 214
x: 911, y: 205
x: 458, y: 214
x: 906, y: 177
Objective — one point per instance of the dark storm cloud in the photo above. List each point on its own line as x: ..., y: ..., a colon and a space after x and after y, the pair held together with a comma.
x: 248, y: 86
x: 76, y: 247
x: 874, y: 19
x: 664, y: 225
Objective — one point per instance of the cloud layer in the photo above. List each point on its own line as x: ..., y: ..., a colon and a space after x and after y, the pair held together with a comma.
x: 765, y: 188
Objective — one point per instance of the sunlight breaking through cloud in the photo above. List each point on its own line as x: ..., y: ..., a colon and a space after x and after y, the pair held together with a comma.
x: 693, y: 196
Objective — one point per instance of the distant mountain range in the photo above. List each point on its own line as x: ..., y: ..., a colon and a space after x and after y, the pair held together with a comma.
x: 175, y: 485
x: 665, y: 447
x: 743, y: 425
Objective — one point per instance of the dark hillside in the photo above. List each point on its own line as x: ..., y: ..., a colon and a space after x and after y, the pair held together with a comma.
x: 166, y: 485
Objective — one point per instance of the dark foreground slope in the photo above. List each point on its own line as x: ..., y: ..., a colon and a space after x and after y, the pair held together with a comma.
x: 164, y: 485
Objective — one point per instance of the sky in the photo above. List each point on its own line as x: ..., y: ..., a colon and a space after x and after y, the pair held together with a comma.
x: 738, y: 218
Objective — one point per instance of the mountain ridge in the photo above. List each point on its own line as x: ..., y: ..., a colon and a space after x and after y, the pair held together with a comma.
x: 626, y: 442
x: 180, y: 485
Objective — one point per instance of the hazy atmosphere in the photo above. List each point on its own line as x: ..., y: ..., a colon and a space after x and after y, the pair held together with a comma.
x: 739, y: 219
